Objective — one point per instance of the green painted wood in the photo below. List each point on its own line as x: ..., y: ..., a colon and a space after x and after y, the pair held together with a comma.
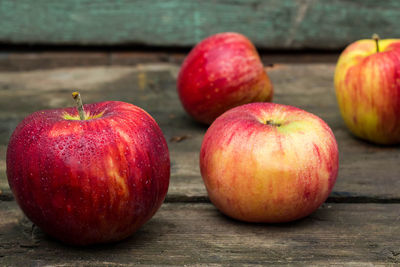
x: 269, y: 24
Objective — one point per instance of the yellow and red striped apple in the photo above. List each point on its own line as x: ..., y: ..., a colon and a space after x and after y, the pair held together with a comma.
x: 265, y: 162
x: 221, y: 72
x: 367, y: 83
x: 89, y: 181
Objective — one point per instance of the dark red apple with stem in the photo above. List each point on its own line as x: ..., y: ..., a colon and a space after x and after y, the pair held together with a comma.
x: 221, y: 72
x: 92, y: 176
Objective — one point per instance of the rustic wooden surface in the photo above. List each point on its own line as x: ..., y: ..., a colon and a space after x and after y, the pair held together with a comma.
x: 273, y: 24
x: 196, y: 233
x: 359, y: 224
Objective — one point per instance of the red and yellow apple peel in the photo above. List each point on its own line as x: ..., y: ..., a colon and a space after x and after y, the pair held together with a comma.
x: 265, y: 162
x: 367, y: 83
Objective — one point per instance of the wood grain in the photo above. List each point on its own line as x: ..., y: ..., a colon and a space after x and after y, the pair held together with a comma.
x: 367, y: 173
x: 179, y: 234
x: 272, y: 24
x: 188, y: 230
x: 33, y: 58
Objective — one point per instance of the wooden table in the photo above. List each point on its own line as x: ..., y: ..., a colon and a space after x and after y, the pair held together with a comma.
x: 359, y: 225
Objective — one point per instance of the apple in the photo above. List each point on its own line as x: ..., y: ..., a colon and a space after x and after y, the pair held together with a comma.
x: 90, y: 178
x: 221, y: 72
x: 367, y: 83
x: 270, y: 163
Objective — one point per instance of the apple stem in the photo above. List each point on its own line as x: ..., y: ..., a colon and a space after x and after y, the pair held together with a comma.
x: 272, y: 123
x: 77, y: 97
x: 376, y: 38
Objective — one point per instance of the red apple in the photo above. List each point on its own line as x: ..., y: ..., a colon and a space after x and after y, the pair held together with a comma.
x: 367, y: 82
x: 89, y: 181
x: 265, y: 162
x: 221, y: 72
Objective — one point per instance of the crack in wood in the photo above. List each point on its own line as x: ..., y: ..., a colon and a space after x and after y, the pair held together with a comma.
x: 30, y: 245
x: 362, y: 200
x: 331, y: 199
x: 6, y: 197
x: 391, y: 254
x: 299, y: 17
x: 395, y: 253
x: 186, y: 199
x: 336, y: 197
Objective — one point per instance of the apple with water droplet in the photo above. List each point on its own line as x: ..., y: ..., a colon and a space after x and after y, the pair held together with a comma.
x: 265, y: 162
x: 92, y: 176
x: 221, y: 72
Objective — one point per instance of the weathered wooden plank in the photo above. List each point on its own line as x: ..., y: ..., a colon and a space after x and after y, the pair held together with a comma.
x: 34, y: 59
x: 270, y: 24
x: 366, y: 171
x: 29, y: 60
x: 337, y: 234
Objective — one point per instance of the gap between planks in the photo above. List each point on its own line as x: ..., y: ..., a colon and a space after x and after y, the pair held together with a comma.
x: 336, y: 197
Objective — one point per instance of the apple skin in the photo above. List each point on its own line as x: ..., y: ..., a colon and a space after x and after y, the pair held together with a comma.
x: 89, y: 181
x: 221, y: 72
x: 367, y: 87
x: 271, y: 173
